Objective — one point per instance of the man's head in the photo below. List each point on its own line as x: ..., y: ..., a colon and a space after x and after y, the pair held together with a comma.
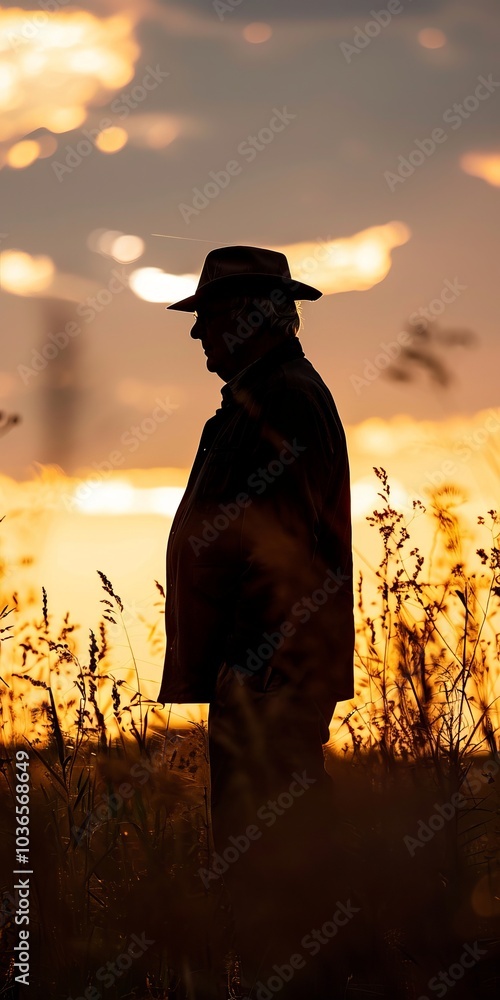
x: 234, y: 332
x: 244, y: 304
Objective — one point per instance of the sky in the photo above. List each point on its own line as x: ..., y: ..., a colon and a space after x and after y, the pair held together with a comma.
x: 378, y: 141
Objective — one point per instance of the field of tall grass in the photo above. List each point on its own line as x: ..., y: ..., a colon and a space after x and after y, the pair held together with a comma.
x: 119, y: 791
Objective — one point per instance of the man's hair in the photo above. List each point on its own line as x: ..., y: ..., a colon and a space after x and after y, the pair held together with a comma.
x: 281, y: 317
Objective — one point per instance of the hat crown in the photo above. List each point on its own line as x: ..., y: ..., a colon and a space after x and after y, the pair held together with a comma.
x: 229, y: 272
x: 236, y: 260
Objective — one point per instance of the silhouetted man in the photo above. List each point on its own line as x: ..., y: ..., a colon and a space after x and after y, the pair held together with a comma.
x: 259, y: 619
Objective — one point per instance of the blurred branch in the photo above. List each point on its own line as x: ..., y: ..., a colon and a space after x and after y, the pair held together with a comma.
x: 428, y: 350
x: 7, y: 420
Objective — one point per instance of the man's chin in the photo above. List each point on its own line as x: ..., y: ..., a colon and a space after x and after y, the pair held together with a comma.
x: 212, y: 366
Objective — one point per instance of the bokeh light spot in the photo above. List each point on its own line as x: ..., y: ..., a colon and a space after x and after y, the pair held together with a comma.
x: 161, y: 134
x: 257, y: 32
x: 127, y: 248
x: 23, y: 274
x: 23, y: 154
x: 111, y: 139
x: 101, y: 240
x: 432, y: 38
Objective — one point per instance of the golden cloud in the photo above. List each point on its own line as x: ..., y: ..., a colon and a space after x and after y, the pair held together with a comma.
x: 54, y: 66
x: 352, y: 263
x: 347, y: 264
x: 483, y: 165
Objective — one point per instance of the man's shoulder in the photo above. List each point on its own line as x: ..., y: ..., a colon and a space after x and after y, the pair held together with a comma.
x: 294, y: 397
x: 296, y: 381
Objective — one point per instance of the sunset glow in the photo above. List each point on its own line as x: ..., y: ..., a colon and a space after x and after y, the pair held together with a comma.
x: 121, y: 497
x: 292, y: 514
x: 118, y: 521
x: 352, y: 263
x: 483, y: 165
x: 153, y: 285
x: 23, y: 274
x: 54, y: 65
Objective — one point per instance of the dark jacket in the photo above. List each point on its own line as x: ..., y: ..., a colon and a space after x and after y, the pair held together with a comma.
x: 259, y: 560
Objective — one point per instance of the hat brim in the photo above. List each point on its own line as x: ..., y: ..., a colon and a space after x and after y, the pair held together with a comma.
x: 243, y: 284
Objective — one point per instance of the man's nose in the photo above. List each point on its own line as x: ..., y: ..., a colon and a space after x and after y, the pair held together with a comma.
x: 196, y: 330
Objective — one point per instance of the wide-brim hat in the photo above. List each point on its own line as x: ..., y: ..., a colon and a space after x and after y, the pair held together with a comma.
x: 233, y: 271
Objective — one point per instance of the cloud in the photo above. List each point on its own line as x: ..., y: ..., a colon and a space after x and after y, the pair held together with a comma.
x: 151, y: 284
x: 352, y: 263
x: 54, y: 66
x: 486, y: 166
x: 345, y: 264
x: 37, y: 276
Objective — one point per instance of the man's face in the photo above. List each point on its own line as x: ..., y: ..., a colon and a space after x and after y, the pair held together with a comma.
x: 210, y: 325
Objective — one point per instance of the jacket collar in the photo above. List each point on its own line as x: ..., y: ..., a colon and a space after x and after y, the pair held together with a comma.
x: 288, y: 350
